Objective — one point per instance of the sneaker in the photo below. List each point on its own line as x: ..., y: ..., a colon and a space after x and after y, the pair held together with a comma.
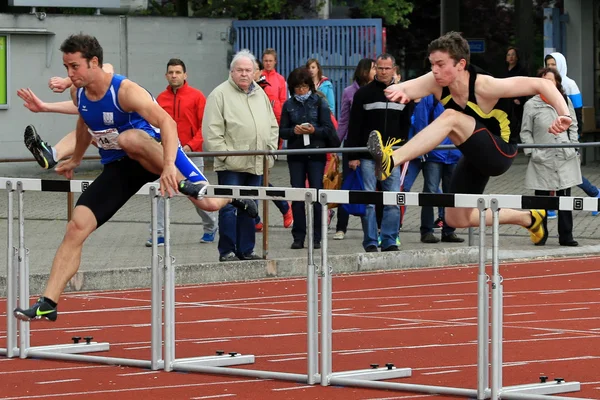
x: 551, y: 214
x: 247, y: 205
x: 371, y: 249
x: 40, y: 310
x: 41, y: 151
x: 595, y: 213
x: 288, y: 218
x: 429, y: 238
x: 391, y: 248
x: 452, y: 238
x: 398, y: 241
x: 316, y: 245
x: 160, y: 242
x: 258, y: 227
x: 229, y: 257
x: 381, y: 154
x: 251, y: 256
x: 438, y: 223
x: 196, y: 190
x: 207, y: 237
x: 538, y: 231
x: 378, y: 240
x: 339, y: 235
x: 297, y: 245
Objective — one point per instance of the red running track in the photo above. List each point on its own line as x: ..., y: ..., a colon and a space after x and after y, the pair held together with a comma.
x: 422, y: 319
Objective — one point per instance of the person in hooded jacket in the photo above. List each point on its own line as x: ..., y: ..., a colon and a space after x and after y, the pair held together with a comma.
x: 557, y: 61
x: 551, y: 169
x: 322, y: 83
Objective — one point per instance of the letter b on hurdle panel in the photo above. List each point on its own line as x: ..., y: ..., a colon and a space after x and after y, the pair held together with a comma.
x: 578, y: 204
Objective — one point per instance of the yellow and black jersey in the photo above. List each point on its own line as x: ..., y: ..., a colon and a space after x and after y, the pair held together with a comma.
x: 496, y: 121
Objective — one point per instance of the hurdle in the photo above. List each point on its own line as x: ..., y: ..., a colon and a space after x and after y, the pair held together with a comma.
x: 205, y: 365
x: 487, y: 387
x: 19, y: 259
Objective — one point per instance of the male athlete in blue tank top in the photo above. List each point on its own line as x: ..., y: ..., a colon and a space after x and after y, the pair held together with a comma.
x: 122, y: 117
x: 477, y: 124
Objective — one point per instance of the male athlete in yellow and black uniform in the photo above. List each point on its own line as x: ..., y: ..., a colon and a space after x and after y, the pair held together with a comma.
x: 476, y: 123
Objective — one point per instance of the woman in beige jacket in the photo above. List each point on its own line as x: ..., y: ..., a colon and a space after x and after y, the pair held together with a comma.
x: 551, y: 169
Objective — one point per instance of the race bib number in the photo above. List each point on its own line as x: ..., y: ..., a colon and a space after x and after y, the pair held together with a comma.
x: 106, y: 139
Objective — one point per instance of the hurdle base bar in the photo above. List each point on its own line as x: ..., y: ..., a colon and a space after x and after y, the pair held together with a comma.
x: 75, y: 348
x: 283, y: 376
x: 224, y: 360
x: 147, y: 364
x: 541, y: 389
x: 4, y: 352
x: 403, y: 387
x: 374, y: 374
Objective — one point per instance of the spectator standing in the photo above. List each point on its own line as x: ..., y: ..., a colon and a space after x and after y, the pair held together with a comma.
x: 239, y: 117
x: 438, y: 166
x: 185, y: 105
x: 276, y: 90
x: 305, y: 124
x: 515, y: 68
x: 371, y: 110
x: 551, y: 169
x: 363, y: 74
x: 322, y: 83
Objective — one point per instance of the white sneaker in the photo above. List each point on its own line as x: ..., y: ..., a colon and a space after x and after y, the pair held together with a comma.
x: 339, y: 235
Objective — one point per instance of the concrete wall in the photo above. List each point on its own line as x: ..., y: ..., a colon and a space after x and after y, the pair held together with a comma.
x: 138, y: 47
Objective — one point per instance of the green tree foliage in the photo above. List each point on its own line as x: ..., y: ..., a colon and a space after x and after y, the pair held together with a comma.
x: 393, y: 12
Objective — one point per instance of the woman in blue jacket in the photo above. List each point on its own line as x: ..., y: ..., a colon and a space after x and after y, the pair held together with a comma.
x: 305, y: 124
x: 321, y: 82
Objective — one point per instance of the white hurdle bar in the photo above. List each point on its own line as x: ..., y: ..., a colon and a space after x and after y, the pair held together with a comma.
x: 208, y: 365
x: 19, y: 258
x: 363, y: 378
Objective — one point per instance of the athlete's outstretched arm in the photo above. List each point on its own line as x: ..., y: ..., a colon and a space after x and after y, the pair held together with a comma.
x: 413, y: 89
x: 35, y: 104
x: 519, y: 86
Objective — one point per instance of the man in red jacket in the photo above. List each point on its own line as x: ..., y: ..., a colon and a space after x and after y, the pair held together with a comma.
x: 185, y: 105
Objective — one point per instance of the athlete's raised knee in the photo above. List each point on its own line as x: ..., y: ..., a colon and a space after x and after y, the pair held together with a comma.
x: 132, y: 141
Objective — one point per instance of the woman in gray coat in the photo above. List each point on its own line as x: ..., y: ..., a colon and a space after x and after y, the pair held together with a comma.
x: 551, y: 169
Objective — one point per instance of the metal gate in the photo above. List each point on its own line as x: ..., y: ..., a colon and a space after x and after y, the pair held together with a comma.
x: 338, y: 44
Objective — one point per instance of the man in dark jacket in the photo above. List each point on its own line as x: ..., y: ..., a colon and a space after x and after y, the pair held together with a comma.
x: 371, y: 110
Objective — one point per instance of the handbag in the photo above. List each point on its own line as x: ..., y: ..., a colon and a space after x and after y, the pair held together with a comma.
x: 332, y: 179
x: 353, y: 181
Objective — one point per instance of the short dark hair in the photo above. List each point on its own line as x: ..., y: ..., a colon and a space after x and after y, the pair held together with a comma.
x: 260, y: 65
x: 300, y: 76
x: 87, y: 45
x: 363, y: 70
x: 176, y: 61
x: 387, y: 56
x: 454, y: 44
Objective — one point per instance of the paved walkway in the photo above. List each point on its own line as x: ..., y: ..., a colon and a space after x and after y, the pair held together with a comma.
x: 115, y: 255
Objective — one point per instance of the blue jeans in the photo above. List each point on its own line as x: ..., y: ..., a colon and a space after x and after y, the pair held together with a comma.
x: 299, y: 171
x: 433, y: 173
x: 412, y: 172
x: 588, y: 188
x: 391, y: 214
x: 236, y: 230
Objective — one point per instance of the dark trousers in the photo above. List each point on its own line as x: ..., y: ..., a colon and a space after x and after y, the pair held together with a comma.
x: 342, y: 214
x: 236, y: 229
x: 299, y: 172
x: 565, y: 218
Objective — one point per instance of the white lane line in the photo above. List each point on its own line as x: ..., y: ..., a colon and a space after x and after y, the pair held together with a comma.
x: 447, y: 301
x: 393, y: 305
x: 517, y: 314
x: 575, y: 309
x: 211, y: 341
x: 35, y: 371
x: 140, y: 373
x: 216, y: 396
x: 79, y: 331
x: 549, y: 334
x: 451, y: 371
x: 288, y: 359
x: 293, y: 388
x: 136, y: 389
x: 137, y: 348
x: 352, y: 352
x: 60, y: 381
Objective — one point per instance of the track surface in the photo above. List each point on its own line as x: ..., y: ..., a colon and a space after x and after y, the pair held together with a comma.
x: 422, y: 319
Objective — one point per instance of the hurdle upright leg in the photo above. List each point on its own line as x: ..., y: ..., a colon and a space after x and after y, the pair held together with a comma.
x: 534, y: 391
x: 483, y: 294
x: 11, y: 349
